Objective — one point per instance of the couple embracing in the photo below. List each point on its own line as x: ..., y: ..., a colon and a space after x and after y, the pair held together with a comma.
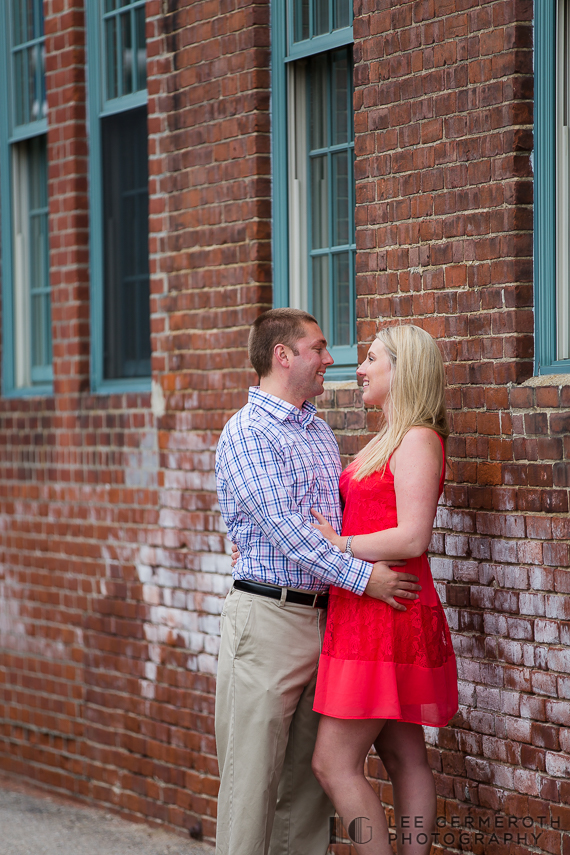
x: 325, y: 649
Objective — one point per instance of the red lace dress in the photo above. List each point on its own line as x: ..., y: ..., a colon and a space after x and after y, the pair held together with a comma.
x: 378, y: 662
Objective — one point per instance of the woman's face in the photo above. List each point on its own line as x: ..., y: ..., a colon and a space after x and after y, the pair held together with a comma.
x: 376, y: 373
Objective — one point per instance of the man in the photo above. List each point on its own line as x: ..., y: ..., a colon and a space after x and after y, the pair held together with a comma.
x: 275, y: 462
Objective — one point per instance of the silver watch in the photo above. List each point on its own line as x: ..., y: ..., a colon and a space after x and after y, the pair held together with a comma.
x: 348, y: 547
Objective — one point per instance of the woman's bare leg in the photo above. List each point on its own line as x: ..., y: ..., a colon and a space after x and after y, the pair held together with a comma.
x: 338, y: 764
x: 401, y: 747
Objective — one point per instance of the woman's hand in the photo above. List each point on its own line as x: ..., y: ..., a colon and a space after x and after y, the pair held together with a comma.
x: 328, y: 531
x: 235, y: 555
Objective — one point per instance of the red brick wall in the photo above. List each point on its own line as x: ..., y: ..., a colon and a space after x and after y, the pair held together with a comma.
x: 78, y: 498
x: 444, y: 210
x: 45, y: 560
x: 210, y: 261
x: 112, y: 554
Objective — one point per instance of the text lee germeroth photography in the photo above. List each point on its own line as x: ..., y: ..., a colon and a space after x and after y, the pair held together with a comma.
x: 456, y: 832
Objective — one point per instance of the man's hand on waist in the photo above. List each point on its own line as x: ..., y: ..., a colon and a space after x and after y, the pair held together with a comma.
x: 385, y: 584
x: 235, y: 555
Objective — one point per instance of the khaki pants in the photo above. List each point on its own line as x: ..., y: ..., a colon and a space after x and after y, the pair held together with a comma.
x: 269, y: 800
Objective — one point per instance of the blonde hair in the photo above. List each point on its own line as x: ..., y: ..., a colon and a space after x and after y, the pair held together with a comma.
x: 416, y: 398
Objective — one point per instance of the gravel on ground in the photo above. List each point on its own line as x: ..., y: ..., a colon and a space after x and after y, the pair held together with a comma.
x: 33, y: 823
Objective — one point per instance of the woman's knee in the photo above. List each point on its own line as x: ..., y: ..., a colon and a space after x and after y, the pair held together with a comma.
x: 322, y: 769
x: 392, y: 760
x: 341, y: 749
x: 329, y: 767
x: 400, y: 754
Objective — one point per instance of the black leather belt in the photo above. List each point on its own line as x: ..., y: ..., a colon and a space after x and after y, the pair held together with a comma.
x: 302, y: 598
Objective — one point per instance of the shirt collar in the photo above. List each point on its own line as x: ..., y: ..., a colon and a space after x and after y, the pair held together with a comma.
x: 280, y: 409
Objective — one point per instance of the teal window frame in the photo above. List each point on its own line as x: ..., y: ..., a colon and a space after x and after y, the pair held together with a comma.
x: 285, y: 50
x: 99, y: 107
x: 12, y: 134
x: 545, y: 190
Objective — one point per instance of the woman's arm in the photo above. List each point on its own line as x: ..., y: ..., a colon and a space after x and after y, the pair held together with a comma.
x: 416, y: 466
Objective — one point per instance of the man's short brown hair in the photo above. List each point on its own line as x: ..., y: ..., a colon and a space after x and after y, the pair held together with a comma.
x: 277, y: 326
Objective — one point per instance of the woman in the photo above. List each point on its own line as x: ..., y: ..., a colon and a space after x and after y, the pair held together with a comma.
x: 383, y: 673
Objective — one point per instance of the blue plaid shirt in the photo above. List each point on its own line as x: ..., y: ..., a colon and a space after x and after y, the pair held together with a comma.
x: 273, y: 464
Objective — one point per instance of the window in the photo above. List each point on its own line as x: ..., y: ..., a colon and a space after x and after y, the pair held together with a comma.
x: 552, y: 187
x: 313, y: 169
x: 27, y: 364
x: 119, y: 195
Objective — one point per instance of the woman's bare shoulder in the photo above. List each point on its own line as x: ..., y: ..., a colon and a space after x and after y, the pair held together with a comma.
x: 419, y: 444
x: 420, y: 437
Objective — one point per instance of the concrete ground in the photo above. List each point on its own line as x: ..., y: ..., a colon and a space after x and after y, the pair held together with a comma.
x: 32, y: 823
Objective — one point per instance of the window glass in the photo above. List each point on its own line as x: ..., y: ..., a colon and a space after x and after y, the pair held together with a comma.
x: 32, y: 302
x: 124, y: 47
x: 23, y: 151
x: 28, y: 61
x: 331, y: 194
x: 301, y: 20
x: 125, y: 223
x: 39, y: 258
x: 342, y: 14
x: 318, y: 17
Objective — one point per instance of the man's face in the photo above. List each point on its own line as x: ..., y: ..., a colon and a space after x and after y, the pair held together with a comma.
x: 308, y: 366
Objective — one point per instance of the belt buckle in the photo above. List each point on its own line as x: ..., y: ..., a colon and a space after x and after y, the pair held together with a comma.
x: 315, y: 598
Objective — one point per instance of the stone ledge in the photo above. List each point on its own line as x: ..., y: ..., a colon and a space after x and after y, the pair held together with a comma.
x: 333, y: 385
x: 548, y: 380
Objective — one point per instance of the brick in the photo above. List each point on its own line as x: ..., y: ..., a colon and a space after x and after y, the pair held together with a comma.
x: 533, y: 708
x: 532, y: 604
x: 556, y: 554
x: 557, y: 606
x: 562, y: 581
x: 559, y: 660
x: 546, y: 631
x: 529, y: 552
x: 504, y: 551
x: 557, y: 765
x: 558, y: 712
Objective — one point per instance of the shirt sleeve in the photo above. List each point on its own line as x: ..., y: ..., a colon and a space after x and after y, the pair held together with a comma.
x: 255, y: 476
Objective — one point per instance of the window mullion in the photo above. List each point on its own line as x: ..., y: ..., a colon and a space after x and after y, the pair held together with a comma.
x: 309, y: 86
x: 545, y: 124
x: 562, y: 188
x: 563, y: 309
x: 351, y: 200
x: 134, y: 58
x: 331, y: 197
x: 119, y: 47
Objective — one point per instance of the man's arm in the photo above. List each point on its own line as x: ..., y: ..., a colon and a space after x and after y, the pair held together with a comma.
x: 384, y: 583
x: 254, y: 475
